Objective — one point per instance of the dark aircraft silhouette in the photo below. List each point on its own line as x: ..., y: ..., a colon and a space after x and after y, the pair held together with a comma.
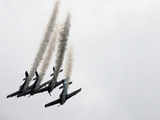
x: 35, y: 87
x: 32, y: 87
x: 36, y: 84
x: 22, y: 88
x: 51, y: 84
x: 64, y: 95
x: 47, y: 86
x: 50, y: 88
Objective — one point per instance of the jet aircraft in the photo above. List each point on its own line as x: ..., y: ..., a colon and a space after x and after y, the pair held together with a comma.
x: 64, y: 95
x: 22, y: 88
x: 35, y: 87
x: 51, y: 84
x: 47, y: 86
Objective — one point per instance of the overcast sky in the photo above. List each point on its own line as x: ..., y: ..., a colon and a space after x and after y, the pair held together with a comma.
x: 116, y: 59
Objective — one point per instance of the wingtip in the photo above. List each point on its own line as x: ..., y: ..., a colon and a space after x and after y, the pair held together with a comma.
x: 80, y: 89
x: 45, y: 105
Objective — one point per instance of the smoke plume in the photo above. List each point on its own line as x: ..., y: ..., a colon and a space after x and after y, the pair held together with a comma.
x: 69, y: 64
x: 62, y: 46
x: 45, y: 41
x: 48, y: 56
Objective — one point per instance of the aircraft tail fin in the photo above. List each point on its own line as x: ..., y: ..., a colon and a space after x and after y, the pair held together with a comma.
x: 26, y: 74
x: 54, y: 69
x: 54, y: 72
x: 37, y: 75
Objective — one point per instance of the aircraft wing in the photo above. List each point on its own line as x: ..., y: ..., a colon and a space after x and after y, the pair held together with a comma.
x: 25, y: 93
x: 29, y: 92
x: 59, y: 83
x: 73, y: 93
x: 42, y: 90
x: 53, y: 103
x: 13, y: 94
x: 45, y: 83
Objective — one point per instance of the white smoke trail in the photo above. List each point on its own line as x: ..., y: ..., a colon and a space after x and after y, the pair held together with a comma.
x: 62, y: 45
x: 69, y: 64
x: 45, y: 41
x: 49, y: 55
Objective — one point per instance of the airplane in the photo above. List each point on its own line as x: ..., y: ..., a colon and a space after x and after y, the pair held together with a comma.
x: 51, y: 84
x: 47, y: 86
x: 34, y: 87
x: 36, y: 84
x: 22, y: 88
x: 50, y: 88
x: 30, y: 88
x: 64, y: 96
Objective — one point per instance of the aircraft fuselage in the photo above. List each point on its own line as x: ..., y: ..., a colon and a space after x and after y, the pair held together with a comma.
x: 63, y: 95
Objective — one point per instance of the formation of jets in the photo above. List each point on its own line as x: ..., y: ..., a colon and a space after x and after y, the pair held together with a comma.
x: 34, y: 86
x: 49, y: 86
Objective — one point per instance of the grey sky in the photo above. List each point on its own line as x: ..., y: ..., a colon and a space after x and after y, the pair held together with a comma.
x: 116, y: 59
